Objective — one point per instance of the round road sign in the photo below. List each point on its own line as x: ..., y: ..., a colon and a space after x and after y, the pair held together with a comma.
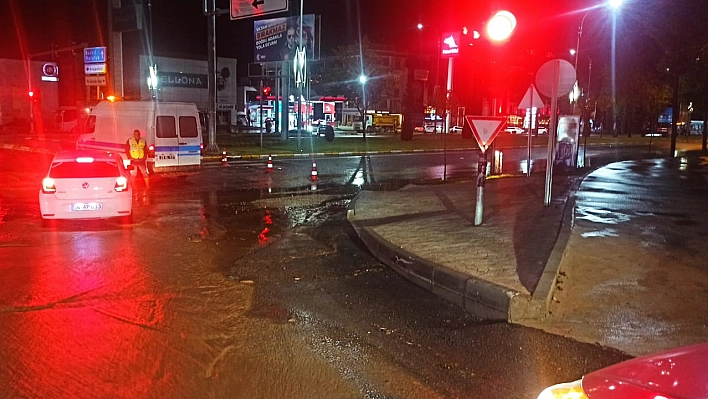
x: 559, y: 72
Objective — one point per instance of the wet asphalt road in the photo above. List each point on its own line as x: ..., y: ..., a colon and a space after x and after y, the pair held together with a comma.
x: 237, y: 283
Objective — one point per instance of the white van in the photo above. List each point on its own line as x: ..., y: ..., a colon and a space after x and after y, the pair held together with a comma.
x: 171, y: 130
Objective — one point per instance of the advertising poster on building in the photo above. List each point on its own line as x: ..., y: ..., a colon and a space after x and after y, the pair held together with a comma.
x: 567, y: 144
x: 277, y: 39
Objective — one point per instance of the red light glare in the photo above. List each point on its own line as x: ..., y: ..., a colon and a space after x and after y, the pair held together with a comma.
x: 501, y: 26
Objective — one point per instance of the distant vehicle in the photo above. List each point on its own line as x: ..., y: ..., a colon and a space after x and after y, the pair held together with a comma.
x: 677, y: 373
x: 239, y: 120
x: 86, y: 184
x: 67, y: 119
x: 515, y: 130
x: 383, y: 123
x: 171, y: 130
x: 456, y: 129
x: 542, y: 130
x: 429, y: 128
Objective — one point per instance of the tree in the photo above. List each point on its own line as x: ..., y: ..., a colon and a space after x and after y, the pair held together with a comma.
x: 441, y: 101
x: 677, y: 29
x: 341, y: 74
x: 642, y: 98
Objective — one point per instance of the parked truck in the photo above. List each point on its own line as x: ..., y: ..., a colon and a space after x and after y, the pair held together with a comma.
x: 384, y: 123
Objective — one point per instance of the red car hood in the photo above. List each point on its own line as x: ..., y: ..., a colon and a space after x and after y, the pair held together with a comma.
x: 675, y: 374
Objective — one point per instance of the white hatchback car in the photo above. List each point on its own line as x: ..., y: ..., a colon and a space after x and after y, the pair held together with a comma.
x: 86, y: 185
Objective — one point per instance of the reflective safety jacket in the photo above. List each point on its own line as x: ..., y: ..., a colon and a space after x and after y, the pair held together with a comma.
x: 137, y: 148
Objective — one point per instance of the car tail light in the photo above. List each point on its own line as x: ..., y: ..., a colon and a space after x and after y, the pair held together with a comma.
x: 121, y: 184
x: 151, y: 151
x: 84, y: 160
x: 48, y: 186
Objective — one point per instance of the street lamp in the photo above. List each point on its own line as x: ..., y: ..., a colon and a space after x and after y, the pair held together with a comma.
x: 614, y: 5
x: 362, y: 81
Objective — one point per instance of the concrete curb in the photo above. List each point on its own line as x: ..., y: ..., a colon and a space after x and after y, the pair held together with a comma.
x: 536, y: 307
x: 25, y: 148
x: 483, y: 299
x: 480, y: 298
x: 215, y: 158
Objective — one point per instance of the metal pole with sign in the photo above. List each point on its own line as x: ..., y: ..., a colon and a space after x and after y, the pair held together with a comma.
x: 449, y: 48
x: 530, y: 100
x: 555, y: 78
x: 485, y: 129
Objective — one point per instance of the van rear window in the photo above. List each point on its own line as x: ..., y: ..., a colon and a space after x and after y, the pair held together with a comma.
x: 188, y: 126
x: 70, y: 170
x: 166, y: 127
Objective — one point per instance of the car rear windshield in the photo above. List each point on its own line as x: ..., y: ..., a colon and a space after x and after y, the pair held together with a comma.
x: 69, y: 170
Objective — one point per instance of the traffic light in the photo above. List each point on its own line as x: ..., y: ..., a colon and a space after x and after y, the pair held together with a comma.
x: 266, y: 90
x: 501, y: 26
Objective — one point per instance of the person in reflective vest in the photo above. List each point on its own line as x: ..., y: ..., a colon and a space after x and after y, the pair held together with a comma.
x: 135, y: 149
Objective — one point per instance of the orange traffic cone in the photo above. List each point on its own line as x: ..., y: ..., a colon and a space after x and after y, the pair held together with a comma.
x: 313, y: 176
x: 270, y: 164
x: 223, y: 157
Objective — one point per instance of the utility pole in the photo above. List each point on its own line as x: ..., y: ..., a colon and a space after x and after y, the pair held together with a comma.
x: 210, y: 11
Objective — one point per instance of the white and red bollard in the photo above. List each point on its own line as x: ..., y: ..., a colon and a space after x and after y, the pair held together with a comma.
x: 223, y: 158
x: 270, y: 164
x: 313, y: 175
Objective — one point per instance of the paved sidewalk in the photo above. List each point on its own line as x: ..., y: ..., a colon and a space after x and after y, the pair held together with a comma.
x: 639, y: 284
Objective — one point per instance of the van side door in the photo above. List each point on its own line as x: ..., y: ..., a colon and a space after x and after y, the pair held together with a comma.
x: 189, y: 139
x: 166, y: 141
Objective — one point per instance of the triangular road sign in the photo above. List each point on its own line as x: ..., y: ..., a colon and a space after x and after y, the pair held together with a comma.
x: 486, y: 128
x: 531, y: 99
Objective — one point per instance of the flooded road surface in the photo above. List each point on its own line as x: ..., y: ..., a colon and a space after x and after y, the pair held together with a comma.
x: 222, y: 288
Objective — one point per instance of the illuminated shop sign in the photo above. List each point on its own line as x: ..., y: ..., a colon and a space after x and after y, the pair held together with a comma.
x: 450, y: 46
x: 176, y: 79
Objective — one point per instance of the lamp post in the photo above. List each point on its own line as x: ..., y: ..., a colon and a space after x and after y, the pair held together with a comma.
x: 436, y: 86
x: 577, y: 52
x: 362, y: 82
x: 614, y: 5
x: 584, y: 110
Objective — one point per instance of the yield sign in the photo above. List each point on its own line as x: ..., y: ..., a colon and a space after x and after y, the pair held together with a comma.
x: 486, y: 128
x: 531, y: 99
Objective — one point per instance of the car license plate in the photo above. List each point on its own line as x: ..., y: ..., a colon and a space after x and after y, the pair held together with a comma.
x: 91, y: 206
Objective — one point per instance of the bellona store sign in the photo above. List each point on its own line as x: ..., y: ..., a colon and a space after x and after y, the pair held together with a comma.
x: 176, y: 79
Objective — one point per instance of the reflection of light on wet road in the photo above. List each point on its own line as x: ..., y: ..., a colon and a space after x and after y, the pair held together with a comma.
x: 684, y: 164
x: 600, y: 215
x: 263, y: 236
x: 600, y: 233
x: 84, y: 318
x: 358, y: 180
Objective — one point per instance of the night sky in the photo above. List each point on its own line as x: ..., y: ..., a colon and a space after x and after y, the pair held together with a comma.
x: 180, y: 29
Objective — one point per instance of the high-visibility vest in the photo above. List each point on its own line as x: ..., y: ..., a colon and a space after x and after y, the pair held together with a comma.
x: 137, y: 148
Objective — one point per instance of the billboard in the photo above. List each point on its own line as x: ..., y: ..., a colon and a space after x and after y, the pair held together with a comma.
x: 277, y: 39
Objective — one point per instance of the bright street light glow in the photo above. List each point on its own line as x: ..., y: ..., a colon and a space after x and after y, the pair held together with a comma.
x: 573, y: 51
x: 362, y: 79
x: 420, y: 26
x: 501, y: 26
x: 616, y: 4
